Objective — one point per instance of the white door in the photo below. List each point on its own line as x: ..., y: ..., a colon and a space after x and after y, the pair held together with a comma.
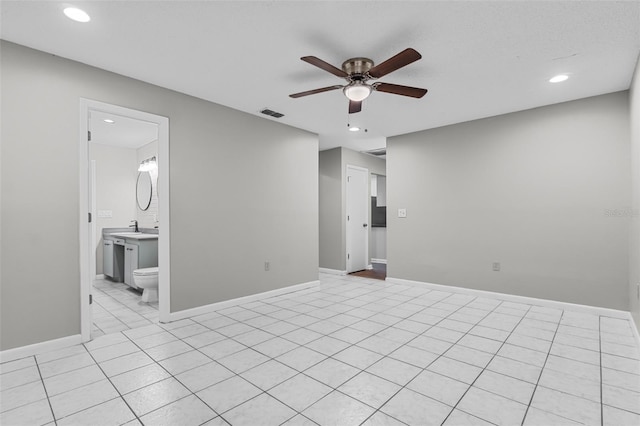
x: 357, y: 218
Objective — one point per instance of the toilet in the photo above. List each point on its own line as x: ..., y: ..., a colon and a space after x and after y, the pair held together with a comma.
x: 147, y: 280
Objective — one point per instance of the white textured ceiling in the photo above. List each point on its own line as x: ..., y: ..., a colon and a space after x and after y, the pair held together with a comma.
x: 480, y: 58
x: 124, y: 132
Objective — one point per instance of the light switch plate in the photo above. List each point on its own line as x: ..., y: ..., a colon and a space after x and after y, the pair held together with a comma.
x: 402, y: 212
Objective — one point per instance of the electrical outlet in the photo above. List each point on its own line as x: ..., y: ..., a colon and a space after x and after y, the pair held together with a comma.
x: 266, y: 266
x: 402, y: 212
x: 496, y: 266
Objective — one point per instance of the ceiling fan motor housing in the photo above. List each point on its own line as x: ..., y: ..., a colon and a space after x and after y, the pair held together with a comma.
x: 357, y: 68
x: 358, y: 71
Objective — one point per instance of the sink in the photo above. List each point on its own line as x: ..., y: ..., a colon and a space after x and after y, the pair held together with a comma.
x: 127, y: 233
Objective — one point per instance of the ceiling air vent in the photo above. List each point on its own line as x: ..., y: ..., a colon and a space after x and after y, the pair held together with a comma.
x: 267, y: 111
x: 377, y: 152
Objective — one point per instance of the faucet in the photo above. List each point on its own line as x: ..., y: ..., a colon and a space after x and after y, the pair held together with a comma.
x: 134, y: 226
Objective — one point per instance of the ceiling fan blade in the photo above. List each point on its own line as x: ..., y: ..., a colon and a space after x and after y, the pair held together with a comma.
x: 397, y: 89
x: 402, y: 59
x: 325, y: 66
x: 355, y: 106
x: 313, y: 92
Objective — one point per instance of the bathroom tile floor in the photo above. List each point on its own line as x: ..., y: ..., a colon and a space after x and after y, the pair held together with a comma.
x: 349, y: 351
x: 116, y: 307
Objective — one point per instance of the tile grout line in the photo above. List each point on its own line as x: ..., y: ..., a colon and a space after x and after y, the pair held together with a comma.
x: 46, y: 392
x: 355, y: 344
x: 86, y: 408
x: 485, y: 367
x: 239, y: 375
x: 438, y: 357
x: 111, y: 382
x: 381, y: 308
x: 467, y: 333
x: 119, y: 302
x: 304, y: 345
x: 542, y: 369
x: 171, y: 375
x: 191, y: 345
x: 600, y: 369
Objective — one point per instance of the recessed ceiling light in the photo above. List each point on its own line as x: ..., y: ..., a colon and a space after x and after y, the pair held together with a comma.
x: 108, y: 120
x: 558, y: 78
x: 354, y: 129
x: 76, y: 14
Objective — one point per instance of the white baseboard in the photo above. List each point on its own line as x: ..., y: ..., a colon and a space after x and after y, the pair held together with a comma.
x: 100, y: 277
x: 40, y: 348
x: 200, y: 310
x: 614, y: 313
x: 369, y: 267
x: 384, y: 261
x: 332, y: 271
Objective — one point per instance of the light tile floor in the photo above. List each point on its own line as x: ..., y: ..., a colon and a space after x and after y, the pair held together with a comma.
x: 349, y: 351
x: 116, y: 307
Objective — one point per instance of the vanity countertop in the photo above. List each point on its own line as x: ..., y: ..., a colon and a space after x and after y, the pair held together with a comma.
x: 135, y: 235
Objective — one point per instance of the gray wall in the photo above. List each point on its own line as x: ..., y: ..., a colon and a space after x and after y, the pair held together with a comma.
x: 634, y: 236
x: 531, y: 190
x: 243, y: 190
x: 333, y: 166
x: 330, y: 203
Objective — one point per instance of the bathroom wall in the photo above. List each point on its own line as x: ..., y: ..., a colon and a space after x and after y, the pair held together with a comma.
x: 115, y: 190
x: 243, y: 190
x: 538, y: 191
x: 149, y: 218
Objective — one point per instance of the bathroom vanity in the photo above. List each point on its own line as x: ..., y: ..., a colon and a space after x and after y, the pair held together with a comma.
x: 124, y: 252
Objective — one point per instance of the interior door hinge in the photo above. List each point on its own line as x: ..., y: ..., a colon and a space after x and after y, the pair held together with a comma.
x: 348, y: 256
x: 89, y: 135
x: 89, y: 217
x: 91, y: 299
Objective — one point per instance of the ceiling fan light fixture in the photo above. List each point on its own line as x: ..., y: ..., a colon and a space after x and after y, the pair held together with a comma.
x: 357, y: 91
x: 358, y: 71
x: 354, y: 128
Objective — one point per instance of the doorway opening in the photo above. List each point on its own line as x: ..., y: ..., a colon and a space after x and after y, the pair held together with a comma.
x: 123, y: 163
x: 357, y: 226
x: 378, y: 237
x: 377, y: 267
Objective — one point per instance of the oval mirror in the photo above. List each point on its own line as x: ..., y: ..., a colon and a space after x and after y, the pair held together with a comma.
x: 143, y: 190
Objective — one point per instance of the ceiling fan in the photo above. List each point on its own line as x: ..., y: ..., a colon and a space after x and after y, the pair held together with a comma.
x: 358, y: 72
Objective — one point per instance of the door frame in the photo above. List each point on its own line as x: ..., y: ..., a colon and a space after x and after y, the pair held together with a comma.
x: 87, y: 265
x: 348, y: 241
